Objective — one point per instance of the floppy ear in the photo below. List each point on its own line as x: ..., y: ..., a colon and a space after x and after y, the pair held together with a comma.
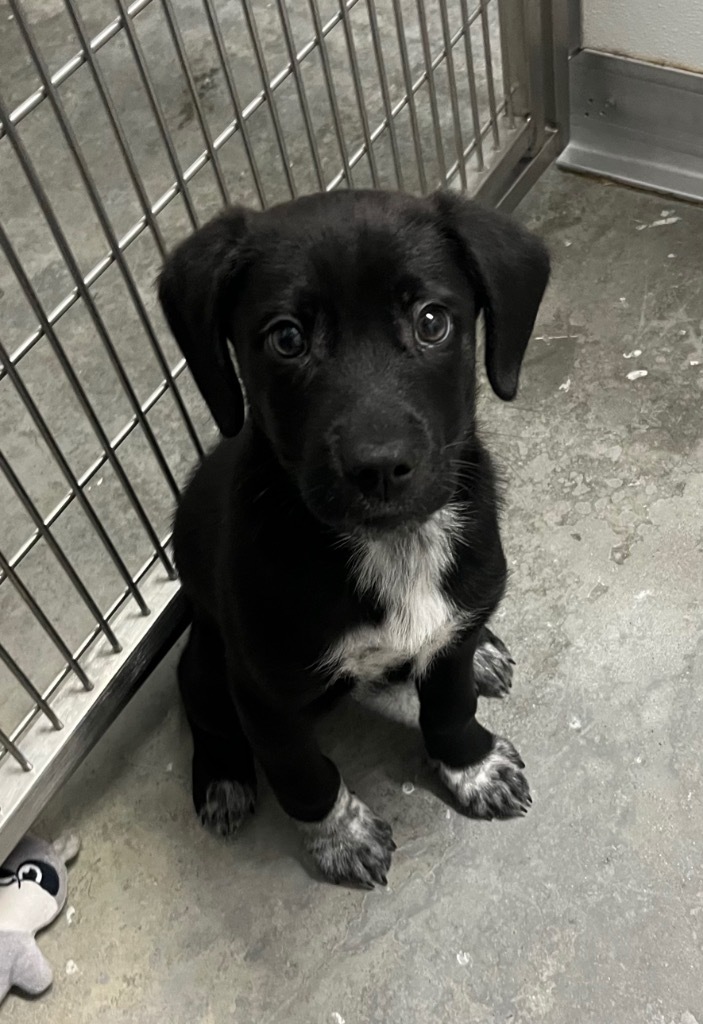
x: 192, y: 290
x: 510, y: 266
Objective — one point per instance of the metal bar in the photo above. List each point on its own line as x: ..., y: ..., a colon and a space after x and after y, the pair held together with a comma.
x: 470, y: 148
x: 506, y: 19
x: 436, y: 123
x: 43, y: 621
x: 177, y: 40
x: 273, y: 109
x: 84, y: 647
x: 315, y: 43
x: 359, y: 92
x: 29, y: 687
x: 407, y: 81
x: 57, y: 550
x: 574, y: 28
x: 67, y: 254
x: 331, y: 91
x: 380, y: 129
x: 536, y: 46
x: 15, y: 751
x: 453, y: 98
x: 75, y: 383
x: 150, y: 219
x: 97, y: 465
x: 489, y: 72
x: 216, y: 29
x: 157, y: 111
x: 90, y: 278
x: 127, y: 13
x: 556, y: 40
x: 179, y: 186
x: 400, y: 105
x: 302, y: 93
x: 62, y: 243
x: 113, y: 117
x: 275, y: 83
x: 61, y: 461
x: 64, y: 72
x: 521, y: 33
x: 473, y: 92
x: 385, y: 93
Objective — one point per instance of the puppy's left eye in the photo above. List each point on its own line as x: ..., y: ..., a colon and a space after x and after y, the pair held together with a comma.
x: 286, y: 340
x: 433, y: 324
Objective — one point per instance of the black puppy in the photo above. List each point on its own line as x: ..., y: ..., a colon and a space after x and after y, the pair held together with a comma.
x: 347, y: 530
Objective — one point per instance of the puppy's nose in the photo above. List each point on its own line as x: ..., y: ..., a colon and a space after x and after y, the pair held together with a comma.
x: 381, y: 471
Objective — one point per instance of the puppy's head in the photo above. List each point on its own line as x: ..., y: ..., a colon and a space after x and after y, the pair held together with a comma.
x: 353, y: 316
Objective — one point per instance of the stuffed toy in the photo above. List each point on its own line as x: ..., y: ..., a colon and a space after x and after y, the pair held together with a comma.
x: 33, y: 890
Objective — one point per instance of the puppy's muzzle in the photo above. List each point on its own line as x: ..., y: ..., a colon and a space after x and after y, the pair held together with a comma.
x: 382, y: 460
x: 381, y: 472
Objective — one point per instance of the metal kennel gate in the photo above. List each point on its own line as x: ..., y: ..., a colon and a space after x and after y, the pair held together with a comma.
x: 122, y: 127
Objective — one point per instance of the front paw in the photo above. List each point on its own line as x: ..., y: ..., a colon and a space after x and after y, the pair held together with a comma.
x: 350, y: 844
x: 225, y: 805
x: 493, y: 666
x: 494, y: 788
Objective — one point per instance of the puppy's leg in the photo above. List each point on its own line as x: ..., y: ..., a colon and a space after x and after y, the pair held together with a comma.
x: 347, y: 842
x: 482, y: 771
x: 493, y: 665
x: 224, y: 776
x: 224, y: 780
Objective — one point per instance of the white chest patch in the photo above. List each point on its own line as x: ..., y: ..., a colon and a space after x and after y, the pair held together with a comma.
x: 404, y: 570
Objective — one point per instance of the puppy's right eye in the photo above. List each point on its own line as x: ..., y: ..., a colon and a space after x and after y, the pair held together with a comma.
x: 433, y: 324
x: 286, y: 340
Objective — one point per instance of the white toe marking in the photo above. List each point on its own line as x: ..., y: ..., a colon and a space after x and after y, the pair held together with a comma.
x: 225, y: 805
x: 350, y: 841
x: 346, y: 819
x: 480, y: 787
x: 468, y: 782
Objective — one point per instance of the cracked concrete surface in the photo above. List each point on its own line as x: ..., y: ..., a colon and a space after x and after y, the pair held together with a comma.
x: 591, y: 909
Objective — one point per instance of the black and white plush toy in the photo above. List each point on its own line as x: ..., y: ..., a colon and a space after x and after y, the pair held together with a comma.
x: 33, y: 890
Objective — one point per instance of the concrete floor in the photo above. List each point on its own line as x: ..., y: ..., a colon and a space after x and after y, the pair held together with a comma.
x: 588, y: 911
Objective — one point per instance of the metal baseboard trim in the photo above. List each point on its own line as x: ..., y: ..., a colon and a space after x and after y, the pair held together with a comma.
x: 636, y: 123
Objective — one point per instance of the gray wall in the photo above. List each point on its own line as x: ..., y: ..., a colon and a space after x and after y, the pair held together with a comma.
x: 663, y: 31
